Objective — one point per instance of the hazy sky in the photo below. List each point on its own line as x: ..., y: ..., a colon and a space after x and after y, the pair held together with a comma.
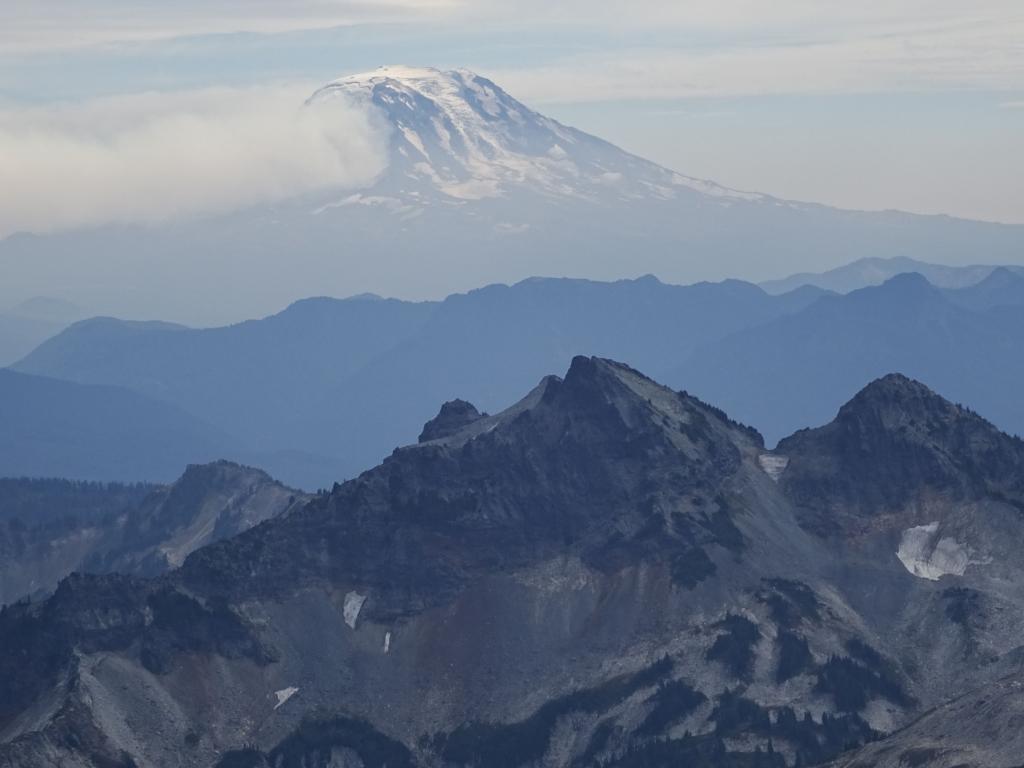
x: 911, y: 104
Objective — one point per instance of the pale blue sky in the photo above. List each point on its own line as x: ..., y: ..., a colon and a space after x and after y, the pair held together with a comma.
x: 909, y: 104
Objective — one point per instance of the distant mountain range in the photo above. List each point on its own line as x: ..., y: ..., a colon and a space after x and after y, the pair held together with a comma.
x: 478, y: 188
x: 55, y: 428
x: 327, y: 387
x: 793, y: 372
x: 27, y: 325
x: 608, y: 572
x: 872, y: 270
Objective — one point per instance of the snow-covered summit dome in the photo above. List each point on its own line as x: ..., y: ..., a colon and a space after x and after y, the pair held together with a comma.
x: 458, y: 133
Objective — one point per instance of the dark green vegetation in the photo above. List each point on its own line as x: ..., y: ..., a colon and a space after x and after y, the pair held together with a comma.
x: 317, y: 740
x: 734, y: 648
x: 794, y: 656
x: 516, y: 744
x: 691, y: 567
x: 672, y: 701
x: 811, y: 741
x: 854, y: 680
x: 790, y: 602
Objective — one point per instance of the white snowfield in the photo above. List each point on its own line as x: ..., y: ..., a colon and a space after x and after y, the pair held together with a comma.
x: 459, y: 134
x: 773, y: 465
x: 930, y: 556
x: 353, y: 604
x: 284, y: 694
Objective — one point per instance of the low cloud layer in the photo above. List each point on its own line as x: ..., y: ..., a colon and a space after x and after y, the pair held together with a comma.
x: 154, y: 157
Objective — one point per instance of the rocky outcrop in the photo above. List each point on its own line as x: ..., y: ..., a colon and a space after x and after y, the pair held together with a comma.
x: 454, y: 415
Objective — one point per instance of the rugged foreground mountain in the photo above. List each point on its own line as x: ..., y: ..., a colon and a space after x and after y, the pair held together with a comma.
x: 608, y: 572
x: 49, y: 528
x: 477, y: 188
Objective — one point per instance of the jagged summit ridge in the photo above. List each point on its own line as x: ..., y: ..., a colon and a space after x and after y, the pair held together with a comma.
x: 459, y: 134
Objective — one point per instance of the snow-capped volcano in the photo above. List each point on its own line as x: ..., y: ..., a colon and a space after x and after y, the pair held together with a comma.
x: 458, y: 133
x: 476, y: 188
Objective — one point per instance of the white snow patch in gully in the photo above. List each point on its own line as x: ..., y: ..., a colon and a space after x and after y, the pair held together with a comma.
x: 773, y: 465
x: 353, y: 604
x: 928, y: 556
x: 284, y: 694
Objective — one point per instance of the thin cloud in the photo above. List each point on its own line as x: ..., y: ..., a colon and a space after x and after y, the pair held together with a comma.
x: 154, y: 157
x: 972, y: 54
x: 28, y: 26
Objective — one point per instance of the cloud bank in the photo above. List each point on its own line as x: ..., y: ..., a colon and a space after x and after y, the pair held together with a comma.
x: 153, y: 157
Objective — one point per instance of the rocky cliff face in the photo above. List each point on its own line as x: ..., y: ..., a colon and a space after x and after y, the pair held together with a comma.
x: 606, y: 572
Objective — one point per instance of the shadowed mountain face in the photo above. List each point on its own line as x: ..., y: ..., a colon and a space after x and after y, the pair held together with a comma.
x: 478, y: 188
x: 49, y: 528
x: 608, y: 572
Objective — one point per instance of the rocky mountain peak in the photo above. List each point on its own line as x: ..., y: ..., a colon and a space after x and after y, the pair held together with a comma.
x: 602, y: 454
x: 893, y: 393
x: 896, y: 437
x: 453, y: 416
x: 898, y: 409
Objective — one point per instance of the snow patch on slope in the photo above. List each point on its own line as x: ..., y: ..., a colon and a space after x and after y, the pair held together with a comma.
x: 928, y: 555
x: 284, y: 694
x: 773, y: 465
x: 353, y: 605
